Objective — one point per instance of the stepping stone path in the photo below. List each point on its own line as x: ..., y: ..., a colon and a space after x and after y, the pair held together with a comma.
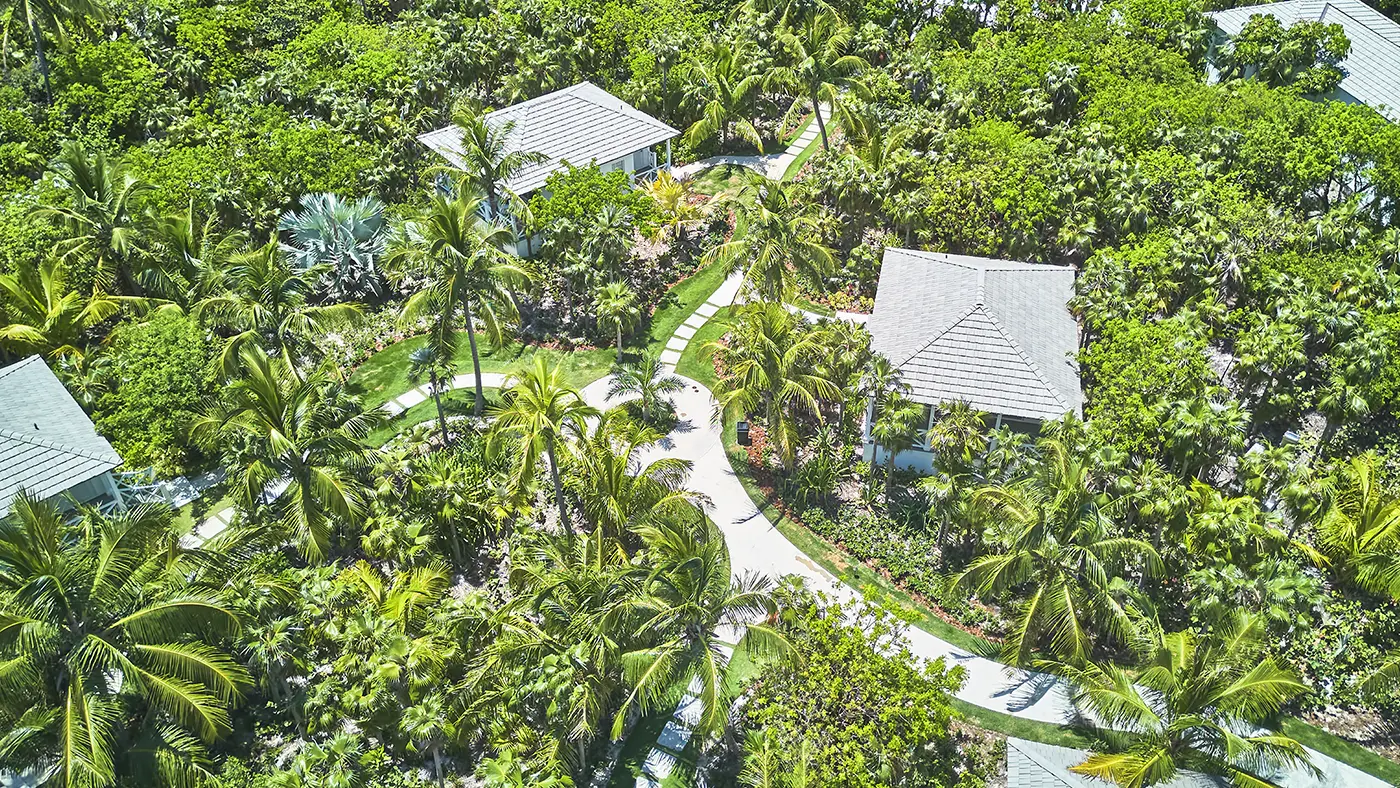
x: 722, y: 297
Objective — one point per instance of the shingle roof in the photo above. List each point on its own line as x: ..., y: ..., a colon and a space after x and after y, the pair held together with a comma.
x: 1034, y: 765
x: 993, y: 333
x: 579, y: 124
x: 47, y: 443
x: 1373, y: 67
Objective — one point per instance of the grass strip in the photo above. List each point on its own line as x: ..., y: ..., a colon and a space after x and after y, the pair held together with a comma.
x: 1350, y: 753
x: 679, y: 303
x: 1030, y: 730
x: 696, y: 361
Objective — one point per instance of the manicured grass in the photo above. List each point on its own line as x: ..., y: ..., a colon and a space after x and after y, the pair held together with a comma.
x: 457, y: 402
x: 1341, y: 749
x: 679, y: 302
x: 696, y: 362
x: 721, y: 180
x: 796, y: 165
x: 1030, y: 730
x: 199, y: 509
x: 385, y: 374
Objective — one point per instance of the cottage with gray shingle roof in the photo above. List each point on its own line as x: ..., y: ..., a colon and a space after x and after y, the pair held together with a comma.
x: 578, y: 125
x: 995, y: 334
x: 1373, y: 66
x: 48, y: 445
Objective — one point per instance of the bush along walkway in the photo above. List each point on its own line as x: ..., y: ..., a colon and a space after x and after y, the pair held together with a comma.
x: 756, y: 545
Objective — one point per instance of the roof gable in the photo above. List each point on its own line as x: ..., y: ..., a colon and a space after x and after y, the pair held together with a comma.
x: 578, y: 125
x: 47, y: 443
x: 994, y: 333
x: 1372, y: 68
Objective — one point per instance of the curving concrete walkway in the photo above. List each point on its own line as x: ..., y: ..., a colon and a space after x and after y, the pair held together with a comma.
x: 772, y: 165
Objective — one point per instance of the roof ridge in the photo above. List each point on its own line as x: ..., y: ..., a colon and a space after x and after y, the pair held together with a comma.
x: 53, y: 444
x: 939, y: 335
x: 24, y: 362
x: 1361, y: 22
x: 1035, y: 368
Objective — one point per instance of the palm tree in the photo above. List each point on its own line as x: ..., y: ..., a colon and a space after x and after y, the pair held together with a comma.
x: 344, y: 239
x: 817, y: 70
x: 53, y: 17
x: 1360, y: 528
x: 691, y: 597
x: 39, y: 313
x: 775, y: 239
x: 1189, y: 707
x: 487, y: 159
x: 647, y: 379
x: 467, y: 272
x: 111, y: 669
x: 616, y: 303
x: 428, y: 360
x: 298, y: 449
x: 197, y: 255
x: 428, y: 727
x: 538, y: 413
x: 674, y: 199
x: 772, y: 367
x: 1063, y: 547
x: 618, y: 494
x: 267, y: 303
x: 101, y: 221
x: 453, y: 492
x: 721, y: 79
x: 898, y: 427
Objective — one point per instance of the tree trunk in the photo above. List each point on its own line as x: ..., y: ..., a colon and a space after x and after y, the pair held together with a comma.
x: 558, y: 485
x: 437, y: 763
x: 437, y: 400
x: 619, y: 341
x: 821, y: 125
x: 41, y: 58
x: 476, y: 361
x: 889, y: 474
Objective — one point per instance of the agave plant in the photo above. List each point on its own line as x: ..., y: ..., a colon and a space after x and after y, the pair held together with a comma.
x: 346, y: 239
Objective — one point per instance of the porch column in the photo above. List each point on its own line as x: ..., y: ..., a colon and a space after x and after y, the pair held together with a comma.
x: 668, y: 154
x: 112, y: 488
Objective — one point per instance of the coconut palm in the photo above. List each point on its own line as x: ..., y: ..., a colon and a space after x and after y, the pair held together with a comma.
x: 48, y: 17
x: 1360, y: 528
x: 898, y: 427
x: 110, y: 667
x: 616, y: 303
x: 298, y: 449
x: 428, y: 361
x: 343, y: 239
x: 195, y: 256
x: 467, y: 273
x: 40, y: 313
x: 487, y: 158
x: 776, y: 241
x: 817, y: 69
x: 539, y: 413
x: 720, y: 77
x: 617, y: 493
x: 648, y: 379
x: 101, y: 220
x: 1190, y: 706
x: 1063, y: 548
x: 772, y: 367
x: 266, y: 303
x: 691, y: 598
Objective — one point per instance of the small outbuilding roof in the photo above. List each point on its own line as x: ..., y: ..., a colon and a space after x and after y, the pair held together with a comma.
x: 996, y: 334
x: 578, y: 125
x: 1373, y: 66
x: 47, y: 443
x: 1034, y: 765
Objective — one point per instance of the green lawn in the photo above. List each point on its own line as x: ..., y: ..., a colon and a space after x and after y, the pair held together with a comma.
x: 1030, y: 730
x: 385, y: 374
x: 678, y: 304
x: 1343, y: 750
x: 796, y: 165
x: 695, y: 362
x: 721, y: 180
x: 457, y: 402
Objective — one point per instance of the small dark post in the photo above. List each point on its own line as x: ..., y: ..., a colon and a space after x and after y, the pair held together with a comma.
x: 742, y: 428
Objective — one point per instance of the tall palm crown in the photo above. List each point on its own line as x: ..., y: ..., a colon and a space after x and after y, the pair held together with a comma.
x: 648, y: 379
x: 818, y: 70
x: 772, y: 368
x: 103, y: 222
x: 539, y: 413
x: 40, y: 313
x: 267, y: 303
x: 195, y: 257
x: 616, y: 303
x: 1190, y: 707
x: 110, y: 669
x: 1060, y: 543
x: 1361, y: 527
x: 721, y: 79
x: 775, y: 242
x: 298, y: 448
x: 460, y: 255
x: 488, y: 160
x: 343, y: 238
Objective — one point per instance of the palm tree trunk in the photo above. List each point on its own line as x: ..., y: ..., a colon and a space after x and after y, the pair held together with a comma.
x: 558, y: 485
x: 437, y: 400
x: 889, y: 476
x: 476, y: 360
x: 619, y: 340
x: 437, y: 763
x: 456, y: 543
x: 41, y: 58
x: 821, y: 125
